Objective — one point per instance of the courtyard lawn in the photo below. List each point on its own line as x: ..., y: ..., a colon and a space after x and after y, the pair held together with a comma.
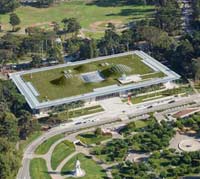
x: 91, y: 168
x: 91, y: 138
x: 74, y: 85
x: 38, y: 169
x: 45, y: 146
x: 61, y: 151
x: 79, y: 9
x: 79, y: 112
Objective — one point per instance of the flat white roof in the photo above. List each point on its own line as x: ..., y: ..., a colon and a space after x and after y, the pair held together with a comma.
x: 148, y: 60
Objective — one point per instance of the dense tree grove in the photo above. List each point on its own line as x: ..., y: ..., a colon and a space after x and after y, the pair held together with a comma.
x: 15, y: 123
x: 168, y: 17
x: 164, y: 164
x: 192, y: 122
x: 153, y: 137
x: 8, y: 5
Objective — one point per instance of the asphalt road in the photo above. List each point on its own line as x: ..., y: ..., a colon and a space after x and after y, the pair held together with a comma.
x: 100, y: 119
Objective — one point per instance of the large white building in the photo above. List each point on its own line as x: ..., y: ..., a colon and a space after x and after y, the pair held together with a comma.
x: 31, y: 94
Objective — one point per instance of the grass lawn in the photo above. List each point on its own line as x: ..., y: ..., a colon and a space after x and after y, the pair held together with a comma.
x: 24, y: 143
x: 38, y: 169
x: 141, y: 124
x: 61, y: 151
x: 92, y: 170
x: 134, y: 126
x: 157, y: 95
x: 79, y: 112
x: 94, y: 35
x: 81, y: 10
x: 45, y: 146
x: 67, y: 87
x: 91, y: 138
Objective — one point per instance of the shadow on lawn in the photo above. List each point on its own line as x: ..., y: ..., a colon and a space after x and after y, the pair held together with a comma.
x: 132, y: 12
x: 113, y: 3
x: 89, y: 136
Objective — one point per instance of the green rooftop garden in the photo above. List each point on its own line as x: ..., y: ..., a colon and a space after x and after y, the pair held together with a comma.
x: 67, y: 81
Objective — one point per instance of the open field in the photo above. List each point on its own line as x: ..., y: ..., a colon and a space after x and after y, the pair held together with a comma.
x: 45, y: 146
x: 79, y: 9
x: 38, y: 169
x: 61, y: 151
x: 92, y: 169
x: 59, y: 86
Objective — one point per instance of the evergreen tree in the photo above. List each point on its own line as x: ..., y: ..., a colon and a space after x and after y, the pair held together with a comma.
x: 14, y: 20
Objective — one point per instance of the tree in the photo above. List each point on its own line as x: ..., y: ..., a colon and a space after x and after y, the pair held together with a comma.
x: 111, y: 26
x: 88, y: 49
x: 157, y: 38
x: 196, y: 9
x: 168, y: 17
x: 44, y: 3
x: 10, y: 159
x: 36, y: 61
x: 196, y: 68
x: 98, y: 131
x: 8, y: 126
x: 71, y: 25
x: 54, y: 54
x: 14, y: 20
x: 8, y: 5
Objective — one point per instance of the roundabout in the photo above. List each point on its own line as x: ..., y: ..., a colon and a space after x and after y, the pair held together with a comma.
x: 189, y: 145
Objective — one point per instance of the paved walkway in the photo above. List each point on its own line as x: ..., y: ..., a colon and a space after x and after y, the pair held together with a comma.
x: 56, y: 174
x: 113, y: 103
x: 175, y: 141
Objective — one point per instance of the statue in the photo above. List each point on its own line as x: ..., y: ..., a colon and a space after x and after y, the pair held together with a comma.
x: 78, y: 172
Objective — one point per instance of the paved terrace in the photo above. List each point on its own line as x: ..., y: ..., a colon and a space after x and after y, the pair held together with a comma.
x: 151, y: 62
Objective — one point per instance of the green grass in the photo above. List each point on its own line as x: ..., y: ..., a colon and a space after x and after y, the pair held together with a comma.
x: 86, y: 14
x: 45, y: 146
x: 94, y: 35
x: 141, y: 124
x: 38, y: 169
x: 153, y: 75
x: 61, y: 87
x: 90, y: 138
x: 24, y: 143
x: 92, y: 170
x: 61, y: 151
x: 79, y: 112
x: 157, y: 95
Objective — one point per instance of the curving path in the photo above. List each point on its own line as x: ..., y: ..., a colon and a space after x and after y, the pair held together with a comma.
x: 108, y: 117
x: 56, y: 174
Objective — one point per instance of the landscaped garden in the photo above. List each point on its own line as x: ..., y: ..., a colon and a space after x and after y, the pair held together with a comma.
x: 161, y: 94
x: 91, y: 168
x: 79, y: 112
x: 69, y: 81
x: 61, y: 151
x: 164, y: 164
x: 38, y: 169
x: 137, y: 138
x: 45, y: 146
x: 93, y: 137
